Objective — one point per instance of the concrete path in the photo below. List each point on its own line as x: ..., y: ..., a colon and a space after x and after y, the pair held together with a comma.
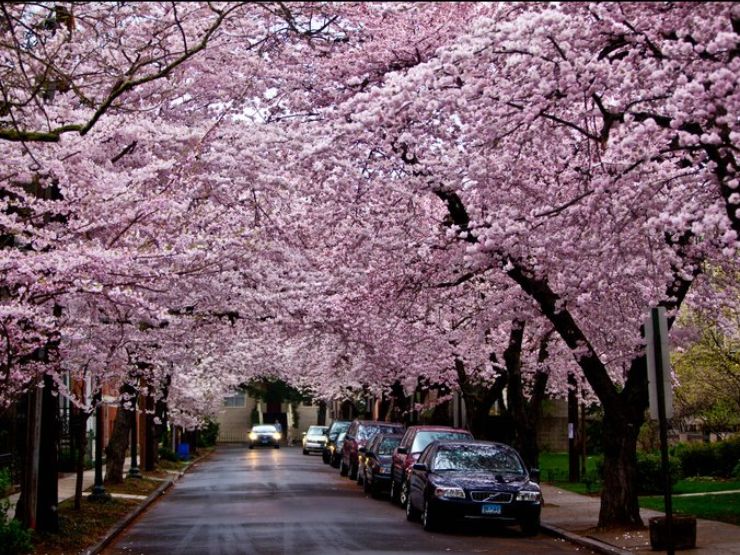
x: 580, y: 514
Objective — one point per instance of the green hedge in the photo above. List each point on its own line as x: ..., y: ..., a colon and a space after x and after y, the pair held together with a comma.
x: 709, y: 459
x: 650, y: 473
x: 14, y: 538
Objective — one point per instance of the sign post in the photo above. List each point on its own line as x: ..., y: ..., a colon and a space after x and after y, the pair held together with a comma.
x: 661, y: 405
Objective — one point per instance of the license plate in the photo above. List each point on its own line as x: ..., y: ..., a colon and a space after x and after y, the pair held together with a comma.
x: 491, y: 509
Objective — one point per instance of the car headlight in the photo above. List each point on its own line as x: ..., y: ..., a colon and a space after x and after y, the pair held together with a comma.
x: 276, y: 435
x: 450, y: 493
x: 531, y: 496
x: 383, y: 470
x: 252, y: 436
x: 331, y: 448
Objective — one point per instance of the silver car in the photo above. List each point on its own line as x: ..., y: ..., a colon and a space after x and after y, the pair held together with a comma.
x: 314, y: 439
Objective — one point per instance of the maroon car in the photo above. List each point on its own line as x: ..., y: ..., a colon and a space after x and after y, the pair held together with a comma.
x: 358, y: 434
x: 413, y: 443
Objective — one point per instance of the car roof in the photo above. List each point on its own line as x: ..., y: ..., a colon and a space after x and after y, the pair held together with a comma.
x: 426, y: 428
x: 378, y: 423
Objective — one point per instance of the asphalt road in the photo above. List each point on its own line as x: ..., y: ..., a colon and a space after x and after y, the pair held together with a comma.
x: 278, y: 501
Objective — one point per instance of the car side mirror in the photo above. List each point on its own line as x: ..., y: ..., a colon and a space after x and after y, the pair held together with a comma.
x: 402, y: 450
x: 534, y: 474
x: 421, y: 467
x: 362, y: 450
x: 304, y: 433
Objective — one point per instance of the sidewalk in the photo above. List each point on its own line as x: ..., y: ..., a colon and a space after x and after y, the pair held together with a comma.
x: 576, y: 516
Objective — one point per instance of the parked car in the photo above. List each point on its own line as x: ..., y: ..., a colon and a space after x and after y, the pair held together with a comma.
x: 328, y: 454
x: 376, y: 467
x: 314, y: 439
x: 336, y: 449
x: 358, y: 434
x: 264, y: 435
x: 455, y: 480
x: 413, y: 443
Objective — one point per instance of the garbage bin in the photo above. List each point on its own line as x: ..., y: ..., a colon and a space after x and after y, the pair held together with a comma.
x: 183, y: 451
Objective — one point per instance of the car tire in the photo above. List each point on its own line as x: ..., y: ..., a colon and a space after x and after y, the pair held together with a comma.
x: 343, y: 469
x: 251, y: 446
x: 530, y: 527
x: 394, y: 492
x: 375, y: 491
x: 305, y: 451
x: 277, y: 446
x: 429, y: 519
x: 334, y: 462
x: 325, y: 458
x: 412, y: 514
x: 404, y: 494
x: 353, y: 472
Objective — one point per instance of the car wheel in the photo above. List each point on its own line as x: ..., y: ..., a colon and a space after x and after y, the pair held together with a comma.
x: 394, y: 491
x: 343, y: 469
x: 305, y: 451
x: 334, y: 462
x: 375, y: 491
x: 412, y: 514
x: 429, y: 518
x: 325, y: 458
x: 530, y: 527
x: 353, y: 472
x: 404, y: 495
x: 277, y: 446
x: 251, y: 446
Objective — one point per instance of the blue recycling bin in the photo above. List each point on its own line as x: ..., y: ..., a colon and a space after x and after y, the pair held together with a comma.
x: 183, y: 451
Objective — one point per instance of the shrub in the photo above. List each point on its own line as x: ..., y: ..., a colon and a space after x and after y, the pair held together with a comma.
x: 650, y: 472
x: 167, y: 454
x: 736, y: 471
x: 208, y: 435
x: 709, y: 459
x: 14, y: 538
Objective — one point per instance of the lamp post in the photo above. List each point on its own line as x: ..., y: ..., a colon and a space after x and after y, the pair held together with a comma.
x: 98, y: 492
x: 133, y: 471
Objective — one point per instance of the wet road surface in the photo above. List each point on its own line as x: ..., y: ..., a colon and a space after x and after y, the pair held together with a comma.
x: 278, y: 501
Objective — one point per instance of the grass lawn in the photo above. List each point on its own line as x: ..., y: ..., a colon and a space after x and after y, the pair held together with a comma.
x: 725, y: 508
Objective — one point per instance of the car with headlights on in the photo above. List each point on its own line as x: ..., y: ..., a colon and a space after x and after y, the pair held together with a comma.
x: 330, y: 455
x: 473, y: 480
x: 264, y: 435
x: 314, y: 439
x: 414, y: 440
x: 376, y: 468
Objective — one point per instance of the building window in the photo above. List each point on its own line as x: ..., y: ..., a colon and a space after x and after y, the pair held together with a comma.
x: 237, y: 401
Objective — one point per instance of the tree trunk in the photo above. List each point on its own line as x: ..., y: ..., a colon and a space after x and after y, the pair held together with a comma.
x: 619, y: 503
x: 48, y: 492
x: 115, y: 451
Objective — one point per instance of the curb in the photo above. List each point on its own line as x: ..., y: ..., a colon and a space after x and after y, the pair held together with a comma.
x: 122, y: 524
x: 590, y: 543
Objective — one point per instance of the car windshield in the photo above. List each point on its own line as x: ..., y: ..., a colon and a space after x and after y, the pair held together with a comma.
x: 487, y: 458
x: 316, y: 431
x: 338, y: 427
x: 340, y: 440
x: 264, y: 429
x: 423, y: 439
x: 368, y: 431
x: 387, y: 446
